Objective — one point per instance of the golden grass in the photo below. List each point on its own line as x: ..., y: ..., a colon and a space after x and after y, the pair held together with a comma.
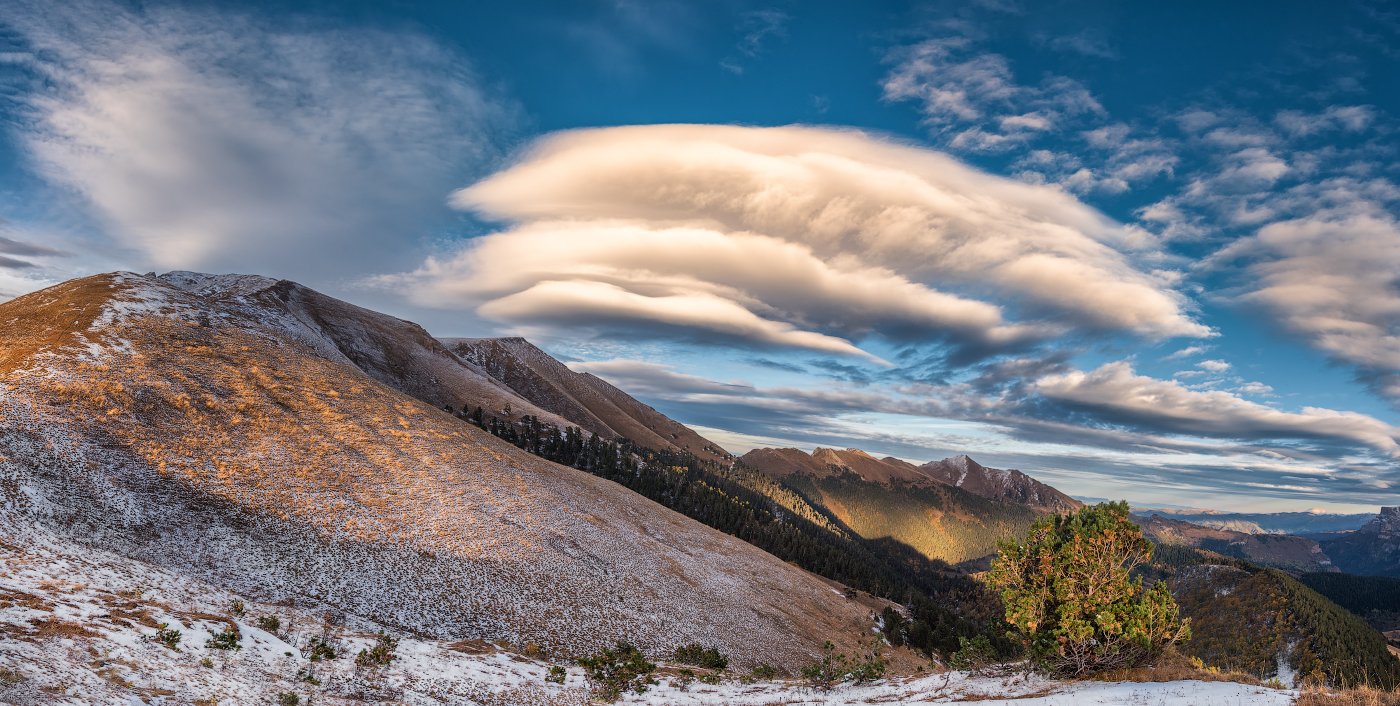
x: 1363, y: 696
x: 1174, y: 666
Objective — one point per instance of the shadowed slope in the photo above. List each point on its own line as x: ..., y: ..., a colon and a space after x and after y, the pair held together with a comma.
x: 582, y: 398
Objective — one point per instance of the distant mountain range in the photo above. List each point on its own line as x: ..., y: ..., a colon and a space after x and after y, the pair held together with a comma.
x: 1276, y: 550
x: 1300, y: 523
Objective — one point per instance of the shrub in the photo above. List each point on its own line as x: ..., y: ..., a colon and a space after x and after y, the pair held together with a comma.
x: 834, y: 668
x: 617, y: 670
x: 556, y: 675
x: 764, y: 671
x: 698, y: 655
x: 318, y: 649
x: 226, y: 640
x: 288, y: 698
x: 10, y: 677
x: 237, y: 608
x: 380, y: 655
x: 206, y: 663
x: 165, y: 636
x: 1071, y: 597
x: 269, y: 623
x: 973, y: 655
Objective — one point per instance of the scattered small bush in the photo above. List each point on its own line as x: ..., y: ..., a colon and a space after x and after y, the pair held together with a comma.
x: 834, y: 668
x: 10, y: 677
x: 711, y: 678
x: 226, y: 640
x: 318, y: 649
x: 532, y: 650
x: 269, y: 623
x: 556, y: 675
x: 288, y: 698
x: 973, y: 655
x: 763, y: 672
x: 168, y: 637
x: 684, y: 679
x: 206, y: 663
x: 617, y: 670
x: 237, y: 608
x: 380, y: 655
x: 698, y: 655
x: 1363, y: 696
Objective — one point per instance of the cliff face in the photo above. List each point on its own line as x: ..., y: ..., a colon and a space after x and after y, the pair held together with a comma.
x: 1373, y: 550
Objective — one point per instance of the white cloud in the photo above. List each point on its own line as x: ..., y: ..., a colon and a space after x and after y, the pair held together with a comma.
x: 1213, y: 366
x: 974, y: 99
x: 1331, y: 276
x: 837, y: 216
x: 1117, y: 394
x: 214, y: 140
x: 1187, y: 352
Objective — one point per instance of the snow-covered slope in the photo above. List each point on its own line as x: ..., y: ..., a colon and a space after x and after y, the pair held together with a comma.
x: 78, y: 626
x: 582, y: 398
x: 186, y: 426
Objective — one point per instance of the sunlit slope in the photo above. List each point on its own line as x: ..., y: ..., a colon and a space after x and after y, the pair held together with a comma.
x: 184, y: 430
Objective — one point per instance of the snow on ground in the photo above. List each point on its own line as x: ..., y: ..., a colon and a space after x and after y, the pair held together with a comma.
x: 956, y: 687
x: 78, y: 623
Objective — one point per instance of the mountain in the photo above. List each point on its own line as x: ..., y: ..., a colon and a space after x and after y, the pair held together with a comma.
x: 892, y: 500
x: 1372, y: 550
x: 1010, y: 486
x: 1266, y: 623
x: 1276, y: 550
x: 1301, y: 523
x: 256, y: 435
x: 581, y: 398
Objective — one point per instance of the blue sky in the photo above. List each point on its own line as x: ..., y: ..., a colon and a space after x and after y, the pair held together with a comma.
x: 1139, y: 251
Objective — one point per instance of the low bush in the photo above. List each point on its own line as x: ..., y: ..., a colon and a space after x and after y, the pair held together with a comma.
x: 317, y: 649
x: 623, y: 668
x: 288, y: 698
x: 226, y: 640
x: 168, y: 637
x: 698, y: 655
x: 973, y: 655
x: 556, y: 675
x: 380, y: 655
x: 269, y: 623
x: 834, y: 668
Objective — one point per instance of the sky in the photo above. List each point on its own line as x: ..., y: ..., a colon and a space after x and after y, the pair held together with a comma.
x: 1142, y: 251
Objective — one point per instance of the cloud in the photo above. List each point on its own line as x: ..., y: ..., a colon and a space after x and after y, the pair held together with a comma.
x: 219, y: 141
x: 1213, y: 366
x: 974, y: 99
x: 1331, y: 277
x: 1350, y: 118
x: 826, y: 231
x: 1187, y: 352
x: 1115, y: 393
x: 756, y: 28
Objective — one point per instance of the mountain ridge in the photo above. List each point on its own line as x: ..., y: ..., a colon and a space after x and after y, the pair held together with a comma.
x: 207, y: 432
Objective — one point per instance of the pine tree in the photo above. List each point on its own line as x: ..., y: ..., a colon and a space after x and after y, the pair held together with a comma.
x: 1070, y: 594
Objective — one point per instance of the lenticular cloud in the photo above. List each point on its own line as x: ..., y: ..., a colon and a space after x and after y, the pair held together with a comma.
x: 794, y: 236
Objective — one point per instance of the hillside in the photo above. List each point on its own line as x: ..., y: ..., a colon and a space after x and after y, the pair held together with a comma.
x: 62, y: 603
x: 890, y: 500
x: 581, y: 398
x: 1008, y: 486
x: 218, y: 435
x: 1280, y: 551
x: 1264, y: 622
x: 1372, y: 550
